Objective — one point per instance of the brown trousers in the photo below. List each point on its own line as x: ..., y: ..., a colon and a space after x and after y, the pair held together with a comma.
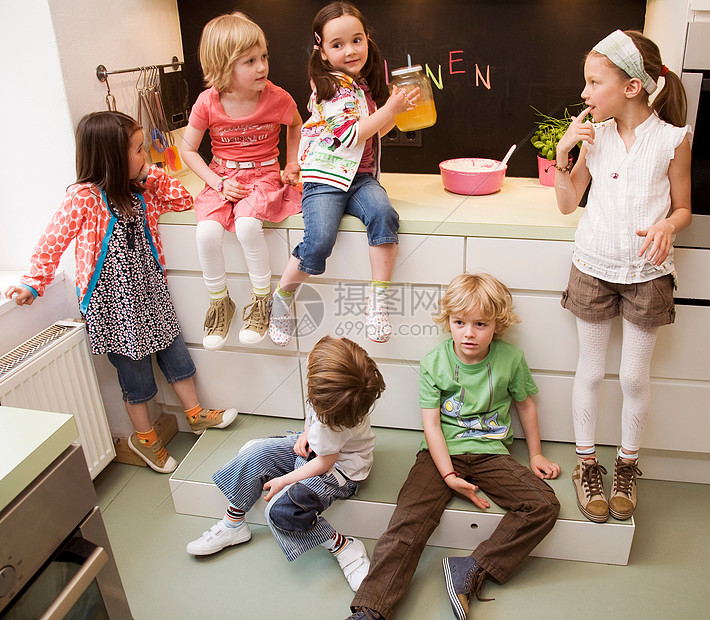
x: 532, y: 511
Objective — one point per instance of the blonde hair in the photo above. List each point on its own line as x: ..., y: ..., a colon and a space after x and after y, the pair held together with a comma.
x: 343, y: 382
x: 480, y: 292
x: 224, y: 39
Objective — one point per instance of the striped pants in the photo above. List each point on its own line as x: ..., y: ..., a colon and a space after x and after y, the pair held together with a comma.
x: 242, y: 481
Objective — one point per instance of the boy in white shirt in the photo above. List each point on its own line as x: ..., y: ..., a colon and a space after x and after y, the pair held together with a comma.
x: 303, y: 474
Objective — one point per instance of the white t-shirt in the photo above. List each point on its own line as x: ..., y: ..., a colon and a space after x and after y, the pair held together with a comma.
x: 629, y: 192
x: 354, y: 446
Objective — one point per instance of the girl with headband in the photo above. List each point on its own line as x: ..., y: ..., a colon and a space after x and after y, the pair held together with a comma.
x: 637, y: 156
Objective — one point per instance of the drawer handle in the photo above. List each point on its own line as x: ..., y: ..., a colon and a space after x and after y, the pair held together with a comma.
x: 76, y: 587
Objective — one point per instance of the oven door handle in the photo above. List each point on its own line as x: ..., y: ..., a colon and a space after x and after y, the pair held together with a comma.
x: 95, y: 559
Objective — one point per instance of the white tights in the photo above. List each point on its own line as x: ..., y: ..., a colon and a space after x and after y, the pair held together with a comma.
x: 210, y: 235
x: 634, y: 377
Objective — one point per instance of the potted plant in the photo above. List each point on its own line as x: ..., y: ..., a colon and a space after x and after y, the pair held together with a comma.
x: 545, y: 139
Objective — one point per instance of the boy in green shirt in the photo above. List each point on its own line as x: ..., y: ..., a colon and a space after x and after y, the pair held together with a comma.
x: 466, y: 388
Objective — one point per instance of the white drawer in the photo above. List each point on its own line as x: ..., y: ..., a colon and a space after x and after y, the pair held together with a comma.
x: 180, y: 249
x: 251, y: 382
x: 191, y: 301
x: 420, y: 258
x: 683, y: 348
x: 521, y: 263
x: 398, y: 407
x: 693, y: 267
x: 676, y: 407
x: 547, y: 333
x: 548, y: 336
x: 527, y: 264
x: 339, y: 310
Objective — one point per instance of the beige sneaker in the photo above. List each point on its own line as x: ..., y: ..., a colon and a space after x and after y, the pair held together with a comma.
x: 155, y: 455
x: 212, y: 418
x: 622, y: 501
x: 256, y: 319
x: 587, y: 481
x: 219, y: 317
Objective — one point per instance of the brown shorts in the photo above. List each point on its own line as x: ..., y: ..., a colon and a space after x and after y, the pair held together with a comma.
x: 646, y: 304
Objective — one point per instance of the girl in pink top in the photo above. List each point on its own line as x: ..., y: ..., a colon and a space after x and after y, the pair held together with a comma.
x: 243, y: 185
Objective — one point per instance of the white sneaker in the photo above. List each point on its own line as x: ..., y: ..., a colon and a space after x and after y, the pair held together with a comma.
x: 218, y: 537
x: 377, y: 322
x: 354, y: 562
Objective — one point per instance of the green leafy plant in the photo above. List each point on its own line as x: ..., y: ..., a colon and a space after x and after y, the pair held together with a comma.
x: 549, y: 132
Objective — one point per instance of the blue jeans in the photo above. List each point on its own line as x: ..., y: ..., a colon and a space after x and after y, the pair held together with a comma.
x: 293, y: 514
x: 136, y: 376
x: 324, y: 207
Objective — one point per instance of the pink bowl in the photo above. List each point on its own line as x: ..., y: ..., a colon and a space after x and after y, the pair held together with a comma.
x: 472, y: 176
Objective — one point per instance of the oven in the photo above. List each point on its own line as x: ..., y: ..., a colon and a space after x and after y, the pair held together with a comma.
x: 55, y: 557
x: 696, y: 79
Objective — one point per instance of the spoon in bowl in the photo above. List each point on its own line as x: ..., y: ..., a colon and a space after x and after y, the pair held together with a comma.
x: 506, y: 158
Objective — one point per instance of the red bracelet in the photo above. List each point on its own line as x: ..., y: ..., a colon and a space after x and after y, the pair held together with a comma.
x: 451, y: 473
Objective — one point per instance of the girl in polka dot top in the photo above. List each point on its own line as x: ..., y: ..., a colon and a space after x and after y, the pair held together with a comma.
x: 112, y: 213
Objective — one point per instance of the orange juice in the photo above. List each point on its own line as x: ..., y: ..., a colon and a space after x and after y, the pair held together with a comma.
x: 423, y: 115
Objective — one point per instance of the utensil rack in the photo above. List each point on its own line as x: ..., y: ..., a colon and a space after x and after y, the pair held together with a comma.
x: 102, y: 73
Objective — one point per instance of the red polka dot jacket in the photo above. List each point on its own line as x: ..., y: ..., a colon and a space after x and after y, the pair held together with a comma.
x: 85, y: 216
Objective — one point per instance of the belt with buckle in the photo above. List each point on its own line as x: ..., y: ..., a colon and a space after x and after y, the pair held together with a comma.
x: 243, y: 165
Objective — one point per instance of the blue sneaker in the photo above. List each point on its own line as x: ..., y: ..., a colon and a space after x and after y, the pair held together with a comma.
x: 463, y: 577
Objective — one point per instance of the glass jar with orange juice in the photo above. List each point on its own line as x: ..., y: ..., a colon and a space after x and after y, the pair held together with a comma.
x: 424, y: 113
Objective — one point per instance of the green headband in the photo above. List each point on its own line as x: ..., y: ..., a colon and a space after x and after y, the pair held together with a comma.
x: 620, y: 49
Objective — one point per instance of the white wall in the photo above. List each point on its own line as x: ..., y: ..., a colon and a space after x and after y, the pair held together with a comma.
x: 49, y: 50
x: 37, y: 158
x: 118, y: 34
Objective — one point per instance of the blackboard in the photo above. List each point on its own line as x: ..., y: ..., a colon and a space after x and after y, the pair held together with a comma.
x: 491, y: 60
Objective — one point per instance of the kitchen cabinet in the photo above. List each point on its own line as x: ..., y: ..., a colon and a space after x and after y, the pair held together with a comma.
x: 519, y: 236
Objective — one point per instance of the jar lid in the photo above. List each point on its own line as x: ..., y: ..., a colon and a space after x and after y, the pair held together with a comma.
x: 407, y: 70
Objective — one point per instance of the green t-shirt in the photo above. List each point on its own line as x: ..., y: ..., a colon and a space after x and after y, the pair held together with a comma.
x: 474, y: 399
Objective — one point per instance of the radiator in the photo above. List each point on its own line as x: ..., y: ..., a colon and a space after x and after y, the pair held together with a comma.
x: 53, y: 371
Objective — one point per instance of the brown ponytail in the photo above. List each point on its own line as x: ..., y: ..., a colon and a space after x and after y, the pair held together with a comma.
x: 670, y: 104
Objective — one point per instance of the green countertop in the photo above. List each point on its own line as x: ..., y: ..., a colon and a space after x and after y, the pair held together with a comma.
x: 29, y: 442
x: 522, y: 209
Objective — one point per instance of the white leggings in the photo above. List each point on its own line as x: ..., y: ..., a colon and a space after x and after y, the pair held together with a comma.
x: 210, y: 235
x: 634, y: 377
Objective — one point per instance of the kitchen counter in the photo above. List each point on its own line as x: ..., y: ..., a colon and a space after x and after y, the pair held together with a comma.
x: 522, y: 209
x: 29, y: 442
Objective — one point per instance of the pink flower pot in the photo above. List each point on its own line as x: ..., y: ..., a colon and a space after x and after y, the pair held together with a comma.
x: 546, y: 171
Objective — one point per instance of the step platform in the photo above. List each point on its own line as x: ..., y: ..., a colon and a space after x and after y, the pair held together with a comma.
x: 367, y: 514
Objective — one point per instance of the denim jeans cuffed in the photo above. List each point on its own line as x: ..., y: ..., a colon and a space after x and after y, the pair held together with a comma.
x: 136, y: 376
x: 323, y: 209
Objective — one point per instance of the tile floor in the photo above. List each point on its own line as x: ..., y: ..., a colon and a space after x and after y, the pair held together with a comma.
x: 667, y: 575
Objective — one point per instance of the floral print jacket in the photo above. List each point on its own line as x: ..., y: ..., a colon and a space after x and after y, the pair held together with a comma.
x: 329, y: 151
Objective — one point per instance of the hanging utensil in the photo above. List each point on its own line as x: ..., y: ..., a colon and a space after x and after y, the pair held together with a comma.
x: 170, y: 154
x: 110, y: 99
x: 157, y: 137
